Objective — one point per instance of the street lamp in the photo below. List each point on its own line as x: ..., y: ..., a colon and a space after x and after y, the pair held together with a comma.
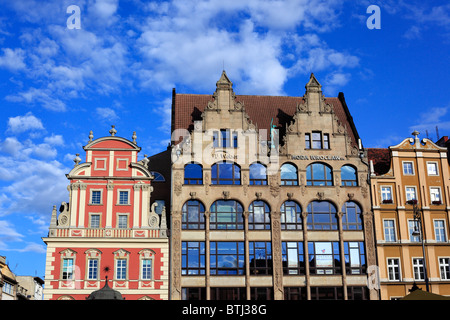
x: 418, y: 232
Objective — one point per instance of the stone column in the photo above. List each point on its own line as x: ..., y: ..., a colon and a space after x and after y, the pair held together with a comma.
x: 277, y: 259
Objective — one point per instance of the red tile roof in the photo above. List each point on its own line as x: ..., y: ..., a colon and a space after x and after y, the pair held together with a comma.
x: 261, y: 110
x: 381, y: 158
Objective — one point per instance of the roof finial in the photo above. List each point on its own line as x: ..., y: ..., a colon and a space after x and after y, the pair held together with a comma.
x: 91, y: 136
x: 77, y: 159
x: 134, y: 137
x: 113, y: 131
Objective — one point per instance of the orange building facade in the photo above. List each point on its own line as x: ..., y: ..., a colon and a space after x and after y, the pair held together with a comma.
x: 410, y: 188
x: 108, y: 228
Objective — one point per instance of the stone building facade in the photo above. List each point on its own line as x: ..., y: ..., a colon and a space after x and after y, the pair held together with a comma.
x: 270, y: 198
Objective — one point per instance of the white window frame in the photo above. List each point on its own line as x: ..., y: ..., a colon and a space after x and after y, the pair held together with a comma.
x: 390, y: 233
x: 433, y: 194
x: 88, y: 268
x: 117, y: 268
x: 436, y: 167
x: 91, y: 214
x: 412, y: 168
x: 408, y: 193
x: 444, y: 268
x: 128, y: 197
x: 411, y: 226
x: 91, y: 191
x: 391, y: 269
x: 121, y: 214
x: 418, y: 268
x: 387, y: 192
x: 443, y: 233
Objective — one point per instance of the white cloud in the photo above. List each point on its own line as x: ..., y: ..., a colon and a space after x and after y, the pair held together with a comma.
x: 54, y: 140
x: 428, y: 121
x: 8, y: 232
x: 106, y: 114
x: 24, y: 123
x: 12, y: 59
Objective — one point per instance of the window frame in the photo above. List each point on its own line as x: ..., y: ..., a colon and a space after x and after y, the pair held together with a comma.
x: 92, y: 271
x: 418, y: 268
x: 266, y: 265
x: 121, y: 271
x: 216, y: 254
x: 433, y: 198
x: 237, y: 224
x: 407, y: 194
x: 393, y: 266
x: 319, y: 226
x: 120, y: 201
x: 293, y: 251
x: 217, y: 179
x: 406, y: 170
x: 91, y: 216
x: 294, y: 224
x: 256, y: 224
x: 91, y: 199
x: 358, y: 222
x: 440, y: 232
x: 389, y: 235
x: 193, y: 180
x: 386, y: 194
x: 195, y: 251
x: 349, y: 182
x: 327, y: 174
x: 436, y: 167
x: 186, y: 222
x: 257, y: 181
x: 288, y: 181
x: 336, y: 263
x: 444, y: 268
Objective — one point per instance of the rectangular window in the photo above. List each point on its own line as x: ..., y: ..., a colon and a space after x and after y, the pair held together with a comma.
x: 408, y: 168
x: 307, y: 141
x: 418, y: 269
x: 324, y: 258
x: 146, y: 269
x: 227, y: 258
x: 193, y: 258
x: 92, y: 269
x: 316, y: 140
x: 293, y: 258
x: 225, y: 138
x: 67, y: 271
x: 95, y: 221
x: 411, y: 193
x: 389, y: 231
x: 8, y: 288
x: 435, y: 195
x: 413, y: 226
x: 432, y: 168
x: 355, y: 259
x: 96, y: 197
x: 326, y: 141
x: 121, y: 269
x: 122, y: 221
x: 386, y: 194
x: 444, y: 268
x: 216, y: 139
x: 439, y: 231
x: 260, y: 257
x: 393, y: 266
x: 123, y: 197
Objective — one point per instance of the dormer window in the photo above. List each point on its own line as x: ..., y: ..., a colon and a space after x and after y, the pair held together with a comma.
x: 317, y: 140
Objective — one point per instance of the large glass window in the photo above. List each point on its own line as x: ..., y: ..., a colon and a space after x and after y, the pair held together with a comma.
x: 319, y: 174
x: 193, y: 215
x: 355, y: 258
x: 258, y: 174
x: 289, y: 175
x: 418, y: 269
x: 321, y: 216
x: 291, y: 218
x: 348, y: 176
x: 258, y: 216
x: 439, y: 231
x: 351, y: 219
x: 324, y: 258
x: 193, y: 174
x: 193, y: 260
x: 389, y: 230
x: 260, y: 257
x: 393, y: 267
x: 293, y: 258
x: 226, y: 215
x: 227, y: 258
x: 146, y: 269
x: 225, y: 173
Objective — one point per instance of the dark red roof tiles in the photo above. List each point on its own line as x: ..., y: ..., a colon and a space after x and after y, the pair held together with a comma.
x: 260, y: 109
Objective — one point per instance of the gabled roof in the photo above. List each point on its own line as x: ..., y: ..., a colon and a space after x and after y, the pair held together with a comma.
x: 187, y: 108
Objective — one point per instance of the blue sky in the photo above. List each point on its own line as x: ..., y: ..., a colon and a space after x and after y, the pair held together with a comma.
x: 119, y: 68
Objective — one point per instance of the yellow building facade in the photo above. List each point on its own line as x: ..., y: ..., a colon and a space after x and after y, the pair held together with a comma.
x: 410, y: 189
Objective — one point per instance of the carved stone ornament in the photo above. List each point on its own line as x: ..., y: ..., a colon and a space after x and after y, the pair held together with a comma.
x: 320, y: 195
x: 258, y: 195
x: 351, y: 196
x: 153, y: 217
x: 226, y: 195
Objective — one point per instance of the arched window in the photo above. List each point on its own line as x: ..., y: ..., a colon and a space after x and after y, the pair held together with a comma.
x: 193, y: 174
x: 225, y: 173
x: 348, y: 176
x: 319, y: 174
x: 258, y: 216
x: 193, y: 215
x: 289, y: 175
x: 226, y: 215
x: 351, y: 218
x: 322, y: 216
x: 291, y: 218
x: 258, y: 174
